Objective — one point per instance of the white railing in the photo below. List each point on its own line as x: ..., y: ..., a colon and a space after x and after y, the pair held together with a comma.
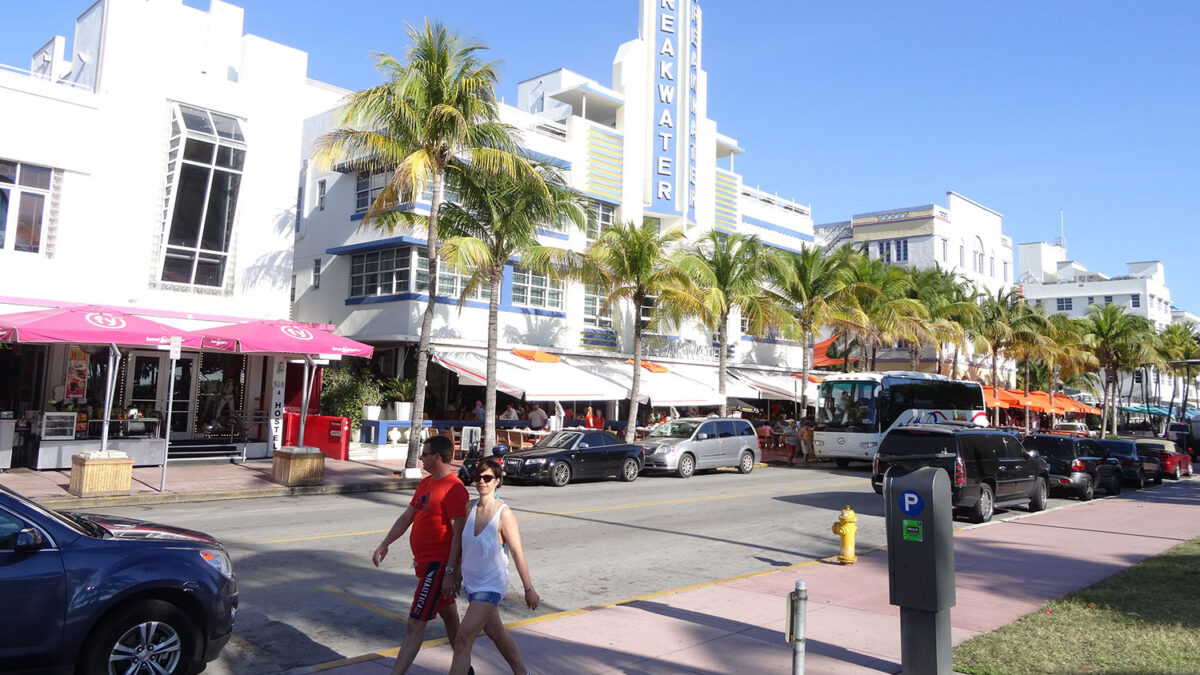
x: 775, y: 201
x: 39, y: 76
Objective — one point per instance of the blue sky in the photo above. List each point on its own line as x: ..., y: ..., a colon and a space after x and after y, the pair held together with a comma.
x: 1027, y: 107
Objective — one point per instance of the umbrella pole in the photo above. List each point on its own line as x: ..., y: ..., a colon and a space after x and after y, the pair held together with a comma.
x: 309, y: 375
x: 109, y: 387
x: 162, y: 482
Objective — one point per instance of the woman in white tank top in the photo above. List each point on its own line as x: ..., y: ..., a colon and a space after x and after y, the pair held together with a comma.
x: 487, y: 538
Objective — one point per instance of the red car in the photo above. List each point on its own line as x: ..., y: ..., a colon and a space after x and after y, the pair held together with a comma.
x: 1174, y: 463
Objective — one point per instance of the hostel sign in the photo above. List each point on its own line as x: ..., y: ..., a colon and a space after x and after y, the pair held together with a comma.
x: 674, y: 94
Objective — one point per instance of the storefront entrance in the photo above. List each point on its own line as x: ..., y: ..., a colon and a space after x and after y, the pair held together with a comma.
x: 146, y: 389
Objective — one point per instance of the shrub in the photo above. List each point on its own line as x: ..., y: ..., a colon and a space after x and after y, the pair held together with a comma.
x: 346, y: 389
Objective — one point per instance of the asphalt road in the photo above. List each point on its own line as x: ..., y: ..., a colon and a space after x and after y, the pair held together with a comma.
x: 310, y: 595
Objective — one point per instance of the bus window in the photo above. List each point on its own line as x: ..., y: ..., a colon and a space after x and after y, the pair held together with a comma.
x: 847, y: 405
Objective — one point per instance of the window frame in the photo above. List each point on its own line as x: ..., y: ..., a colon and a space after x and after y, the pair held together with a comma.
x: 600, y: 317
x: 1064, y: 304
x: 400, y: 271
x: 531, y: 283
x: 19, y: 191
x: 321, y: 193
x: 1135, y: 299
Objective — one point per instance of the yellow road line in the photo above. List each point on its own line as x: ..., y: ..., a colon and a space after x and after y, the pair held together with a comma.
x: 513, y: 625
x: 572, y: 512
x: 341, y: 594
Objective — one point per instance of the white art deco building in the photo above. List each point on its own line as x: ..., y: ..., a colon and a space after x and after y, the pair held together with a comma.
x: 640, y: 146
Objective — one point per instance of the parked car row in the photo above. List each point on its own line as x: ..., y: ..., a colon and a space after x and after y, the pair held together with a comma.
x: 991, y: 468
x: 680, y: 447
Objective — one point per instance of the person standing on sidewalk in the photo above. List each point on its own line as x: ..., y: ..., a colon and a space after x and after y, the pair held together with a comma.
x: 806, y: 442
x: 487, y: 538
x: 436, y: 513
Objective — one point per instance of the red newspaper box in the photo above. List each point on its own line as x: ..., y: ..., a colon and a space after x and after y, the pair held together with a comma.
x: 331, y: 435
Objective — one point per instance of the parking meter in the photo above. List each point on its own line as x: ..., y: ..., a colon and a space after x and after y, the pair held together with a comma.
x: 920, y: 538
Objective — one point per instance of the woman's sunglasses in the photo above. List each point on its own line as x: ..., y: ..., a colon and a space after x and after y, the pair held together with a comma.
x: 486, y: 478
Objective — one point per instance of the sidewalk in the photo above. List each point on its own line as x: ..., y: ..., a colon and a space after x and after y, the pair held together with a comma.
x: 190, y: 481
x: 1004, y: 571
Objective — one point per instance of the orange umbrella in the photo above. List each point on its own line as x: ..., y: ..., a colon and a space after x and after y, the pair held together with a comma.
x: 1043, y: 401
x: 991, y: 401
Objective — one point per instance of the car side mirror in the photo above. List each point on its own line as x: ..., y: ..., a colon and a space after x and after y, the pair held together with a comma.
x: 29, y: 539
x: 584, y: 445
x: 1031, y: 454
x: 701, y: 437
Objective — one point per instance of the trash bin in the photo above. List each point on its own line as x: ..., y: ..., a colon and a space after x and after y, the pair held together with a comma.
x: 331, y: 435
x: 96, y: 475
x: 298, y: 466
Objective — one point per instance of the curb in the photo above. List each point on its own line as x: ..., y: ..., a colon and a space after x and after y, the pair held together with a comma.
x: 152, y: 498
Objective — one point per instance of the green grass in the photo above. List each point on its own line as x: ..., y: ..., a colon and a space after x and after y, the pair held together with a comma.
x: 1146, y: 619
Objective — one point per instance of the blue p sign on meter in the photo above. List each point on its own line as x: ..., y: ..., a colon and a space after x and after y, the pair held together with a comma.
x: 911, y: 503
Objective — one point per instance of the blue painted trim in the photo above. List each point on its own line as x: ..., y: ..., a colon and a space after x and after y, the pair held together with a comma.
x: 405, y: 207
x: 607, y: 199
x: 552, y: 233
x: 611, y: 133
x: 378, y: 245
x: 600, y: 150
x: 543, y: 157
x: 780, y: 246
x: 776, y: 228
x: 477, y: 304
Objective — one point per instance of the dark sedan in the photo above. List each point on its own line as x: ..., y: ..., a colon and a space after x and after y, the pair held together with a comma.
x: 566, y: 455
x: 1137, y: 466
x: 97, y: 594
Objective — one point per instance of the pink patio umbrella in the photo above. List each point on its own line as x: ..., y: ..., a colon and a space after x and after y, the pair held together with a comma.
x: 92, y: 324
x: 285, y: 338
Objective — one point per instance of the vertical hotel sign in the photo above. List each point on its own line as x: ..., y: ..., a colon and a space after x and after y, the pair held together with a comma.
x: 675, y: 81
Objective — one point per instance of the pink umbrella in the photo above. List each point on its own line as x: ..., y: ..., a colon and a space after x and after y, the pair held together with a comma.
x: 91, y: 324
x: 283, y: 337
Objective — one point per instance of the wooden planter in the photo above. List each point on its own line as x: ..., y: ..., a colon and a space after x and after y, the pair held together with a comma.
x: 298, y: 466
x: 100, y: 477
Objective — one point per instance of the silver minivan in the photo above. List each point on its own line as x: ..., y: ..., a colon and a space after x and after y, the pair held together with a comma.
x: 691, y: 443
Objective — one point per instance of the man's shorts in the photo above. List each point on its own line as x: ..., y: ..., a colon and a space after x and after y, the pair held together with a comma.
x: 428, y: 598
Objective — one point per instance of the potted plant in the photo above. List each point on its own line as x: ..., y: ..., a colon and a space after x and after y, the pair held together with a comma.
x: 398, y: 394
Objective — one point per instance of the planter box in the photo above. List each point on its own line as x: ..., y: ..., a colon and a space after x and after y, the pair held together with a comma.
x: 298, y: 466
x: 100, y: 477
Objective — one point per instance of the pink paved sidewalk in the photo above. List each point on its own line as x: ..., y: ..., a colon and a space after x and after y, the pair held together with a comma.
x: 1004, y: 571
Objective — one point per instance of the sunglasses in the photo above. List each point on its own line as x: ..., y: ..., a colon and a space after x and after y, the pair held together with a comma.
x: 428, y: 454
x: 486, y: 478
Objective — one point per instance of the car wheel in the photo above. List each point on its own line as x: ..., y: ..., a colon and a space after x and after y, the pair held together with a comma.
x: 1189, y: 470
x: 629, y: 470
x: 985, y: 507
x: 1113, y: 487
x: 1087, y: 490
x: 746, y: 464
x: 560, y: 474
x: 1158, y: 476
x: 1140, y: 480
x: 841, y: 462
x: 150, y: 636
x: 687, y: 466
x: 1178, y: 473
x: 1040, y: 493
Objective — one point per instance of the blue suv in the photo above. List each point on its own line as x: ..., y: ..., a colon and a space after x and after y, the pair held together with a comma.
x: 98, y: 594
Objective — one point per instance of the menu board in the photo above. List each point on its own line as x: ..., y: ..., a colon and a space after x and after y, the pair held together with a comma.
x: 77, y: 373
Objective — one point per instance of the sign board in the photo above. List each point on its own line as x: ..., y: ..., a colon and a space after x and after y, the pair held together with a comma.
x: 911, y: 503
x: 176, y: 347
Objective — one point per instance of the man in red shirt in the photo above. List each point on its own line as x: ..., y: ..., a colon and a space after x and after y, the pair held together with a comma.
x: 436, y: 513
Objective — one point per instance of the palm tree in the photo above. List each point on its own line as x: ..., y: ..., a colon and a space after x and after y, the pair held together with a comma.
x: 1068, y: 356
x: 435, y: 112
x: 1003, y: 323
x: 1030, y: 341
x: 815, y: 285
x: 729, y: 271
x: 495, y: 220
x: 1118, y: 340
x: 1178, y: 342
x: 941, y: 292
x: 881, y: 291
x: 633, y: 263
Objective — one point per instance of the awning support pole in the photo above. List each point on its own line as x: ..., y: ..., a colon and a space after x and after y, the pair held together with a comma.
x: 162, y: 482
x: 110, y: 385
x: 309, y: 376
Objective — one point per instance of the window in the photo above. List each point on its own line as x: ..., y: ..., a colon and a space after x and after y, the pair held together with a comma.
x: 535, y: 290
x: 321, y: 195
x: 451, y: 281
x: 1063, y: 304
x: 316, y: 274
x: 901, y: 250
x: 992, y: 266
x: 1135, y: 300
x: 10, y: 525
x: 1005, y: 272
x: 647, y: 312
x: 600, y: 216
x: 292, y: 292
x: 962, y: 255
x: 885, y: 251
x: 945, y: 250
x: 204, y: 172
x: 367, y: 187
x: 1108, y: 299
x: 27, y: 188
x: 380, y: 272
x: 594, y: 313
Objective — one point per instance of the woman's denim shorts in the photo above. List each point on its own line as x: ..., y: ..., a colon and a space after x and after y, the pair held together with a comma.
x: 485, y: 596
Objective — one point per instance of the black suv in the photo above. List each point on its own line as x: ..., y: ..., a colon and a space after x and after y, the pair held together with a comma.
x: 987, y: 467
x: 1136, y: 465
x: 1079, y: 465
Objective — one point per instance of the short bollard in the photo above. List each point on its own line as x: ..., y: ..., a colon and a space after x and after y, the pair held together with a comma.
x: 845, y: 528
x: 797, y: 605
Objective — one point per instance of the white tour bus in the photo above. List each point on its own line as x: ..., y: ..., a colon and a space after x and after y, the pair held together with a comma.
x: 855, y: 410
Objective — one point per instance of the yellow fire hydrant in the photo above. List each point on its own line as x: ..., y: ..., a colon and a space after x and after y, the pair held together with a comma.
x: 845, y: 527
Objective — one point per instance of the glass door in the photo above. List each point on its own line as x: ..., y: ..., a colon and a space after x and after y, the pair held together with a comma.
x: 146, y: 389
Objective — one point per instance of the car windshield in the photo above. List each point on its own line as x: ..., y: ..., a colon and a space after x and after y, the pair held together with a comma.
x: 916, y: 443
x: 1119, y: 447
x: 680, y: 429
x: 560, y: 440
x: 1050, y: 446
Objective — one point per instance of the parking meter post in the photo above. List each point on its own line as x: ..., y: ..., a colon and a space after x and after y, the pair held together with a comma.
x: 797, y: 606
x: 920, y: 538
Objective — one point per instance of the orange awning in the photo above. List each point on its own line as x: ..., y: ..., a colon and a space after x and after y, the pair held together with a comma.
x: 1042, y: 399
x: 650, y: 366
x: 536, y: 355
x: 821, y: 358
x: 992, y: 402
x: 811, y: 378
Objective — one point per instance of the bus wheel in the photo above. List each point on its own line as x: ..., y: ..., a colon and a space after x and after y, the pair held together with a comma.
x: 841, y: 462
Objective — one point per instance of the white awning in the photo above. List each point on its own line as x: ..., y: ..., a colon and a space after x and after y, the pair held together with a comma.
x: 665, y: 389
x: 532, y: 380
x: 775, y: 386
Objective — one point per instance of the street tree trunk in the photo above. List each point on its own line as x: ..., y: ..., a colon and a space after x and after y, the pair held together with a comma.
x: 489, y: 402
x: 631, y: 422
x: 431, y: 251
x: 996, y: 385
x: 722, y: 358
x: 806, y: 331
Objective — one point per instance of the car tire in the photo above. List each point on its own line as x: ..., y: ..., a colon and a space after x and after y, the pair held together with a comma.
x: 1088, y: 490
x: 1113, y: 487
x: 629, y: 470
x: 985, y: 507
x: 560, y: 474
x: 1158, y: 477
x: 877, y: 487
x: 1178, y: 473
x: 120, y: 635
x: 746, y: 463
x: 841, y: 462
x: 687, y: 466
x: 1140, y: 480
x: 1040, y: 495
